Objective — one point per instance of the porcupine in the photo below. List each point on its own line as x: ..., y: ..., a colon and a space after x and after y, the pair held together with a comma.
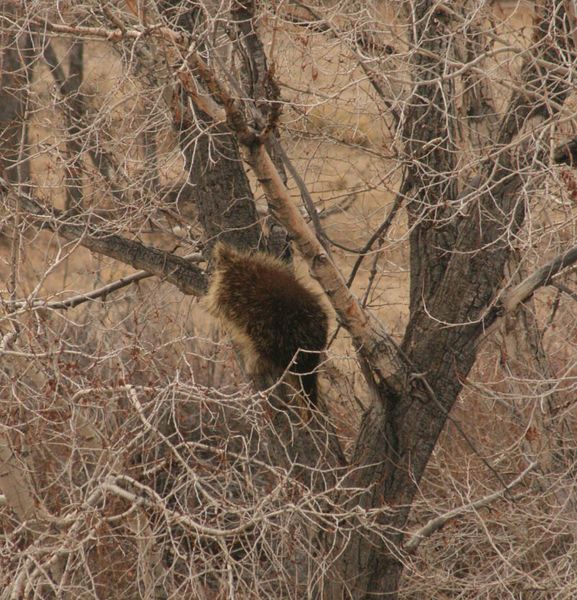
x: 275, y: 321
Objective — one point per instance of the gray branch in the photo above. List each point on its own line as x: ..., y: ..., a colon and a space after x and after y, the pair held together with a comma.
x: 188, y: 278
x: 435, y: 524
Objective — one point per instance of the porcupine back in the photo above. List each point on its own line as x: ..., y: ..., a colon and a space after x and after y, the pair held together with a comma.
x: 270, y: 314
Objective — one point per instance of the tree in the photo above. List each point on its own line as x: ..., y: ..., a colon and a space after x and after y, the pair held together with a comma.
x: 177, y: 124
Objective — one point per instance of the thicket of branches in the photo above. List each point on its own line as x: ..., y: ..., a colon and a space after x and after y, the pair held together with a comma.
x: 416, y: 159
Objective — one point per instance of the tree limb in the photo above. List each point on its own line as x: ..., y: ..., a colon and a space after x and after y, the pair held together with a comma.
x: 435, y: 524
x: 538, y: 279
x: 188, y: 278
x: 100, y: 292
x: 566, y: 290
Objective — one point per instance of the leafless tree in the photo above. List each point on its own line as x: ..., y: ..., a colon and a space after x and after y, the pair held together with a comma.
x: 418, y: 157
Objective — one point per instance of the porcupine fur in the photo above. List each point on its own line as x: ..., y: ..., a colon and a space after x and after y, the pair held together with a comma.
x: 275, y: 321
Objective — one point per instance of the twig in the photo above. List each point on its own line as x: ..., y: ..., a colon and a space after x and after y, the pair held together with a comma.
x: 305, y: 195
x: 380, y: 233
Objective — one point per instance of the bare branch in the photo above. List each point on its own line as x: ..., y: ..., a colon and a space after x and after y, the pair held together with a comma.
x: 435, y: 524
x: 101, y: 292
x: 161, y: 471
x: 174, y: 269
x: 566, y: 290
x: 538, y: 279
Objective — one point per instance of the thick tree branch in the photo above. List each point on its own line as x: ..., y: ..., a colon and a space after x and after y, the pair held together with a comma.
x: 101, y: 292
x: 539, y: 278
x: 189, y: 278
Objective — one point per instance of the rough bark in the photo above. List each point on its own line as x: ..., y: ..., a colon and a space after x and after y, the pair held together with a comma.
x: 431, y: 147
x: 397, y: 439
x: 222, y: 194
x: 224, y: 201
